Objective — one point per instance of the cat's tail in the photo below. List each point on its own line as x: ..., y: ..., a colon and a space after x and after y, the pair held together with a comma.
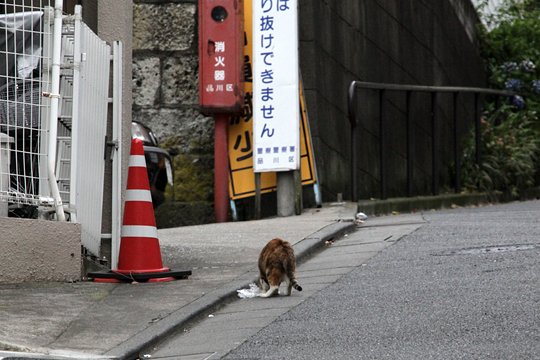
x: 296, y: 285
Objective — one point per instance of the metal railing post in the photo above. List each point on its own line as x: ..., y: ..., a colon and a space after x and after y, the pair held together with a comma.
x: 477, y: 129
x: 117, y: 184
x: 352, y: 121
x: 457, y: 158
x: 435, y: 153
x: 409, y: 143
x: 434, y: 146
x: 382, y: 153
x: 53, y: 111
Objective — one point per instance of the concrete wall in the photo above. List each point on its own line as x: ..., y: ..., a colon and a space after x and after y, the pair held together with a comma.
x: 408, y: 42
x: 33, y: 250
x: 397, y: 41
x: 38, y: 250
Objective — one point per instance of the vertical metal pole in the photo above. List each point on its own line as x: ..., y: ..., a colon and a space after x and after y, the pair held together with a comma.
x: 477, y: 129
x: 354, y: 171
x: 409, y: 143
x: 221, y: 168
x: 457, y: 157
x: 54, y: 100
x: 382, y: 153
x: 352, y: 121
x: 73, y: 183
x: 116, y: 192
x: 434, y: 146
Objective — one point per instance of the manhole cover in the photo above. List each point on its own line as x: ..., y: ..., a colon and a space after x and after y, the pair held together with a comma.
x: 492, y: 249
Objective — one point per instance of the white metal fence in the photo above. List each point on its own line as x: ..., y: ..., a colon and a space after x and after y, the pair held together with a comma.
x: 52, y: 66
x: 90, y: 74
x: 25, y: 37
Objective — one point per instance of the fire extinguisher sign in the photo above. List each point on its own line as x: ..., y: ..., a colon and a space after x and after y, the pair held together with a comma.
x: 276, y: 110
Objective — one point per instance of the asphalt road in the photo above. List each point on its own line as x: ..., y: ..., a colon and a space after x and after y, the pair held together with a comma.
x: 464, y: 286
x: 456, y: 284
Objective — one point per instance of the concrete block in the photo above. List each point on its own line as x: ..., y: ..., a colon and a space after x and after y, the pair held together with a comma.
x: 163, y: 26
x: 38, y: 250
x: 146, y: 81
x: 180, y: 80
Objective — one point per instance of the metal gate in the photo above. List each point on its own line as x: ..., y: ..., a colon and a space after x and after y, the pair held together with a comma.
x: 86, y: 77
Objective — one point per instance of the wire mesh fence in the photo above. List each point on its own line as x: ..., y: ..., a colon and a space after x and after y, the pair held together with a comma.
x: 25, y: 43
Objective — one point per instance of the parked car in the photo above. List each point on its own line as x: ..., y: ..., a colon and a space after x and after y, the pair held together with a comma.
x: 158, y: 162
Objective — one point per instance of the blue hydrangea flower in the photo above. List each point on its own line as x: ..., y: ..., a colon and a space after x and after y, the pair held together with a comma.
x: 513, y: 84
x: 536, y: 86
x: 509, y: 66
x: 518, y: 102
x: 528, y: 66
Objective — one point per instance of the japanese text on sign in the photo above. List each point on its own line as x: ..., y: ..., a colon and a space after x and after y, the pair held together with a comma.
x: 219, y: 84
x: 242, y: 180
x: 275, y: 85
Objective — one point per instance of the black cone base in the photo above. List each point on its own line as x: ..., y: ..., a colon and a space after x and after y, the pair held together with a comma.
x: 114, y: 276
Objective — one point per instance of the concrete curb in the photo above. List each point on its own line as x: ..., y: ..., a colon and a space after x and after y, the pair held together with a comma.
x: 311, y: 244
x: 19, y: 355
x: 413, y: 204
x: 131, y: 348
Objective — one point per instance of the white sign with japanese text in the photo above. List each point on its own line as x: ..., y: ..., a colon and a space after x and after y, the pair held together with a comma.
x: 276, y: 110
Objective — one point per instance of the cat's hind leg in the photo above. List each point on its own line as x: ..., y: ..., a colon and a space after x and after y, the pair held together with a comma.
x: 288, y: 286
x: 271, y: 292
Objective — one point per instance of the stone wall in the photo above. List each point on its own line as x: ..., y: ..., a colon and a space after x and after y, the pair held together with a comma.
x: 397, y: 41
x: 165, y: 97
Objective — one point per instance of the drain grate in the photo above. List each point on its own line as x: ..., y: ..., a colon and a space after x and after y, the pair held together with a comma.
x: 491, y: 249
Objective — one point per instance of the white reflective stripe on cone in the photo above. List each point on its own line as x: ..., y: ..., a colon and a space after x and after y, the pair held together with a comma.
x: 139, y: 231
x: 137, y: 161
x: 138, y: 195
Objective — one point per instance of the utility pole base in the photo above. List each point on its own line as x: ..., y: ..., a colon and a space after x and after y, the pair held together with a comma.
x: 286, y: 204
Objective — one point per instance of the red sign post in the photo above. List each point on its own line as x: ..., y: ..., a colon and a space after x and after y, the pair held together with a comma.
x: 221, y: 88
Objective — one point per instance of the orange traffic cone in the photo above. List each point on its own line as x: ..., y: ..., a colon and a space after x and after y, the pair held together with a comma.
x: 139, y: 256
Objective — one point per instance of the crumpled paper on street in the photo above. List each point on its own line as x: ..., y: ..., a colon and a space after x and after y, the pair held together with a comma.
x: 249, y: 293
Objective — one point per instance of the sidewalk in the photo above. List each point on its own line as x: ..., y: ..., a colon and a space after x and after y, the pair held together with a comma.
x: 87, y: 320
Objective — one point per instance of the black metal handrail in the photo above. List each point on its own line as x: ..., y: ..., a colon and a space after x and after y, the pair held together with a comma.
x: 408, y: 89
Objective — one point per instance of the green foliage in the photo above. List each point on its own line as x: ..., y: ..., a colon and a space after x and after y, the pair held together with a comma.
x: 509, y: 155
x: 193, y: 179
x: 511, y: 49
x: 510, y: 134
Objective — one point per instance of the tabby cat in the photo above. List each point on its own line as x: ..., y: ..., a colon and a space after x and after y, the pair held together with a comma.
x: 277, y: 264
